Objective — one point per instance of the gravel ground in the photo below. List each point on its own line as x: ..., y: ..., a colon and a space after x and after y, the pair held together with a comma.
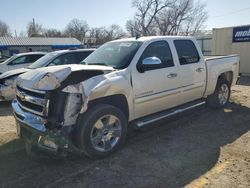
x: 199, y: 148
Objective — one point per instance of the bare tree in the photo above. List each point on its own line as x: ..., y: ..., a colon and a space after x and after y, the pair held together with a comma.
x: 105, y: 34
x: 22, y: 34
x: 114, y: 32
x: 52, y: 33
x: 133, y: 27
x: 98, y: 34
x: 4, y: 30
x: 145, y: 14
x: 186, y: 17
x: 34, y: 29
x: 169, y: 21
x: 198, y: 18
x: 167, y: 17
x: 77, y: 28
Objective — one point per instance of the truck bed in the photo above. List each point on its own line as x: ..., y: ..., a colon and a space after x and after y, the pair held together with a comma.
x: 216, y: 65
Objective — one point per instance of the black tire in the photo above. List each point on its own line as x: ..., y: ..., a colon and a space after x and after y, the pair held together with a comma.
x: 86, y: 122
x: 213, y: 100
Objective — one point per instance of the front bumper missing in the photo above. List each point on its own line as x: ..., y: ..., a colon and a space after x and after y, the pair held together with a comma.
x: 32, y: 129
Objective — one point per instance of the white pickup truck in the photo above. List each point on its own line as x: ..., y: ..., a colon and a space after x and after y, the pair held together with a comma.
x: 124, y: 82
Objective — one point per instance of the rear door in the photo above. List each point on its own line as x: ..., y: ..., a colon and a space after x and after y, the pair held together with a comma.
x: 192, y: 70
x: 156, y: 89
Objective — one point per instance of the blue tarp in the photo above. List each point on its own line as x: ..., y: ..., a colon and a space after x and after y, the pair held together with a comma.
x: 3, y: 47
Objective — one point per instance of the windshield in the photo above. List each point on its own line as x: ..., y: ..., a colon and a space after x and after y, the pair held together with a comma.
x: 43, y: 61
x: 114, y: 54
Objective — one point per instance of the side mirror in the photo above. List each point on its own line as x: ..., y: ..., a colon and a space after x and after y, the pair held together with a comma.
x: 150, y: 63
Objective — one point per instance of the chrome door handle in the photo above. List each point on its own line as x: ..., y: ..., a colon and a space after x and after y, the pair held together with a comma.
x: 172, y: 75
x: 200, y: 69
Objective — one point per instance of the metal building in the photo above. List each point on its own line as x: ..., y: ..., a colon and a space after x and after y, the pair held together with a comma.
x: 233, y: 40
x: 14, y: 45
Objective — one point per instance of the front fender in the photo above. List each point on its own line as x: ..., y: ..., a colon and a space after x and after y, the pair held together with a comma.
x: 115, y: 83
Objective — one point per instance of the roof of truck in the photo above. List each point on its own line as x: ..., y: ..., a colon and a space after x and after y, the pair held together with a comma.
x: 31, y: 53
x: 73, y: 50
x: 143, y: 39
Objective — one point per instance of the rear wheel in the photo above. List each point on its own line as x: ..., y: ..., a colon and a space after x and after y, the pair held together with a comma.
x: 101, y: 130
x: 221, y: 95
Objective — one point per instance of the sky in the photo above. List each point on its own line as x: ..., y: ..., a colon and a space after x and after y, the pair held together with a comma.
x: 57, y: 13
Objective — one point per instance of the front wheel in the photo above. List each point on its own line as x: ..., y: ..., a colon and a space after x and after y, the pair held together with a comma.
x: 101, y: 130
x: 221, y: 95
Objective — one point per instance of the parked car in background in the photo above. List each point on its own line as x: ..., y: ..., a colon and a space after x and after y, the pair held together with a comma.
x: 4, y: 58
x: 88, y: 107
x: 21, y: 60
x: 61, y: 57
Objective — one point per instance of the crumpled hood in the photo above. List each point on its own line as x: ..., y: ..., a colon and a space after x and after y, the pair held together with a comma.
x: 50, y: 78
x: 12, y: 73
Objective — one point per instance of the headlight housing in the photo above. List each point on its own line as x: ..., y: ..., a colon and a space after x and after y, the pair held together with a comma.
x: 8, y: 82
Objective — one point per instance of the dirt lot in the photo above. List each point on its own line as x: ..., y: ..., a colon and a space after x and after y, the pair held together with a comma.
x: 200, y: 148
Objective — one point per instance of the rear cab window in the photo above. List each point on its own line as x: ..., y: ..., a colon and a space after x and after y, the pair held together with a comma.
x: 187, y: 52
x: 33, y: 58
x: 80, y: 56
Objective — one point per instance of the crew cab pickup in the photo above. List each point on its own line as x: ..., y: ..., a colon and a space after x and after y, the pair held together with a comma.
x: 125, y: 82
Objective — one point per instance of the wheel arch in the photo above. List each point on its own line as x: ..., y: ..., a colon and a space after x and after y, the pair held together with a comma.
x: 117, y: 100
x: 226, y: 76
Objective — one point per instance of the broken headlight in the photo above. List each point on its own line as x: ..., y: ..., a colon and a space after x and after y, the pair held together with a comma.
x: 9, y: 81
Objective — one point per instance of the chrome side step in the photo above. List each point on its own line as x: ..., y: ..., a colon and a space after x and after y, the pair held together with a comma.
x: 151, y: 119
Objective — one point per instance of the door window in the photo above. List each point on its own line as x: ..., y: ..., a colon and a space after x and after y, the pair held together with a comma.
x: 64, y: 59
x: 20, y: 60
x: 161, y: 50
x: 187, y: 52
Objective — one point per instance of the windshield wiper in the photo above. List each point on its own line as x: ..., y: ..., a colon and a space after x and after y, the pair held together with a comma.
x: 98, y: 64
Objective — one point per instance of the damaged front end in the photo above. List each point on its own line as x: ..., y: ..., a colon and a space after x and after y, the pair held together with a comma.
x: 46, y: 120
x: 7, y: 89
x: 33, y: 129
x: 47, y: 109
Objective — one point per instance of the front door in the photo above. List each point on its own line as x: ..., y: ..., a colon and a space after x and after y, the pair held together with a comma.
x: 156, y: 88
x: 19, y: 62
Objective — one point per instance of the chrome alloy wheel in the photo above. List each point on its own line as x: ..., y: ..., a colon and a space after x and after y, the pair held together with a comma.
x: 106, y: 133
x: 223, y: 94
